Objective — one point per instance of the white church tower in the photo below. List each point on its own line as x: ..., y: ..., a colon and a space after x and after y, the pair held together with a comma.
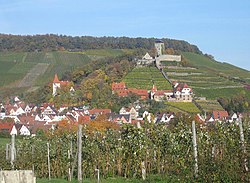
x: 56, y: 84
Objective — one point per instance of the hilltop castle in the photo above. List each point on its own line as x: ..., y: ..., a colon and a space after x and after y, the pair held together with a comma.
x: 160, y: 56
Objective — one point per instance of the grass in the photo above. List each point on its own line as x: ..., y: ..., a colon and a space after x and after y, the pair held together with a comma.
x: 151, y: 178
x: 3, y: 142
x: 215, y: 93
x: 203, y: 62
x: 188, y: 107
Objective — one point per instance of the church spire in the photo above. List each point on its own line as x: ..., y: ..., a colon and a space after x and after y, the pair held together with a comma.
x: 56, y: 80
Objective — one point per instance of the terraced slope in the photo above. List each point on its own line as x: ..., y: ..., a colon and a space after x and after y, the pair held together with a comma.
x: 209, y: 78
x: 145, y: 78
x: 35, y: 69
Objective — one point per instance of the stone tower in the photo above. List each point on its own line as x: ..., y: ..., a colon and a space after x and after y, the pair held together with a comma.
x: 159, y: 46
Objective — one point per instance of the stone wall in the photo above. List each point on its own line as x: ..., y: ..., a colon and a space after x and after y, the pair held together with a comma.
x: 17, y: 176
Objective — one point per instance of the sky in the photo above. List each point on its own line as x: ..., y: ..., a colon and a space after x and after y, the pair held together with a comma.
x: 218, y: 27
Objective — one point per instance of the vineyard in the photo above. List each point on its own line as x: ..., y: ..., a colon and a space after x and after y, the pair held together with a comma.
x: 188, y: 107
x: 209, y: 78
x: 203, y: 63
x: 15, y: 66
x: 145, y: 78
x: 166, y: 152
x: 209, y: 105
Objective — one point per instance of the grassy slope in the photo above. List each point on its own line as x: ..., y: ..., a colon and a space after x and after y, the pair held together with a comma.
x: 188, y: 107
x: 208, y: 84
x: 205, y: 63
x: 15, y: 65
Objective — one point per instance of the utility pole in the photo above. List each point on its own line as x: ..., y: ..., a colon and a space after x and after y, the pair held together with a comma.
x: 195, y: 150
x: 79, y: 145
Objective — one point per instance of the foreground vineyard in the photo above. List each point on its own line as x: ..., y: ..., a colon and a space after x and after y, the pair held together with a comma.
x: 166, y: 151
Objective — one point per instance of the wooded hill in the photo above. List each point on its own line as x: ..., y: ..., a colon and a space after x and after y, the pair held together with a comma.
x: 52, y: 42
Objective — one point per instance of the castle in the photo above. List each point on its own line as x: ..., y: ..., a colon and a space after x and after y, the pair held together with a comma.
x: 160, y: 56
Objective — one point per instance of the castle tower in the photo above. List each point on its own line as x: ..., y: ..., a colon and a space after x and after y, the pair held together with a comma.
x: 159, y: 46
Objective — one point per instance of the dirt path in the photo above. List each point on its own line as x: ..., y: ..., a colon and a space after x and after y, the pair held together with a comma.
x: 33, y: 74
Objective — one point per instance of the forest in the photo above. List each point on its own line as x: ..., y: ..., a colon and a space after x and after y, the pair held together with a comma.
x: 52, y: 42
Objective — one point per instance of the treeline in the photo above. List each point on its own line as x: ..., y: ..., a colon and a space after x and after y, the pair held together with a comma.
x: 52, y: 42
x: 238, y: 103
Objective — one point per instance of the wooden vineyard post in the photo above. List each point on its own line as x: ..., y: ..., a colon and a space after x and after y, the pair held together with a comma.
x: 242, y: 140
x: 70, y: 154
x: 12, y: 153
x: 98, y: 175
x: 7, y: 151
x: 79, y: 145
x: 195, y: 150
x: 48, y: 160
x: 143, y: 168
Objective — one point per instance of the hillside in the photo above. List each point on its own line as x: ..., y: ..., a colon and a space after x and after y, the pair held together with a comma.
x: 22, y: 69
x: 209, y: 78
x: 145, y: 78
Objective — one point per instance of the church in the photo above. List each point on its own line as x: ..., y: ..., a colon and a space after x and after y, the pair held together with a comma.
x: 57, y: 84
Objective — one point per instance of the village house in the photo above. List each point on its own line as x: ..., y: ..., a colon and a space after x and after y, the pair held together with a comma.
x: 131, y: 111
x: 182, y: 92
x: 160, y: 95
x: 164, y: 117
x: 122, y: 91
x: 120, y: 118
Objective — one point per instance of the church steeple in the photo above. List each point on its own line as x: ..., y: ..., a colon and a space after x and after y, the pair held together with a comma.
x: 154, y: 89
x: 56, y: 80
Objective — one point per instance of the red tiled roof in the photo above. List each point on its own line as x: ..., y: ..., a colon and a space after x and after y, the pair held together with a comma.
x: 84, y: 119
x: 122, y: 93
x: 56, y: 80
x: 154, y: 89
x: 118, y: 86
x: 99, y: 111
x: 220, y: 114
x: 63, y: 83
x: 6, y: 126
x: 25, y: 119
x: 139, y: 92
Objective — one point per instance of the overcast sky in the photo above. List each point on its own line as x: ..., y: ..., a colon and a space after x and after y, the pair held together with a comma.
x: 217, y: 27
